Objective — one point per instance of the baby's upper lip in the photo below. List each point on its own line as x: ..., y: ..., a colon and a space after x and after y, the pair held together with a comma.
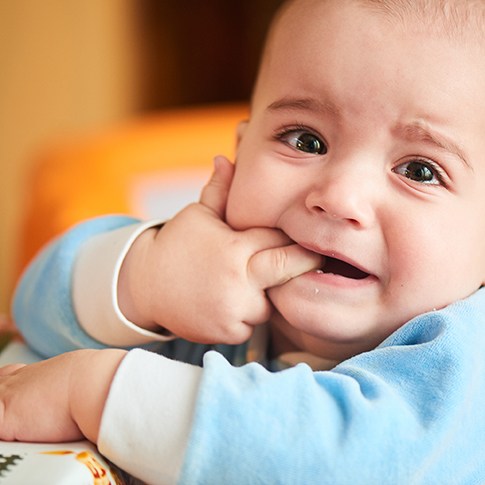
x: 330, y: 253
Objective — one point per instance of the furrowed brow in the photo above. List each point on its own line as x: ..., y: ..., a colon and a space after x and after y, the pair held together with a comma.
x: 303, y: 104
x: 419, y: 131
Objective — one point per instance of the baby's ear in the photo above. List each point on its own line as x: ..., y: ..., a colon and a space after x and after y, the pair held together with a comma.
x: 241, y: 128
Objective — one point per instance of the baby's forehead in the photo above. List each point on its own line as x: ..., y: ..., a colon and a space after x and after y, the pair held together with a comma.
x: 297, y: 45
x: 312, y: 24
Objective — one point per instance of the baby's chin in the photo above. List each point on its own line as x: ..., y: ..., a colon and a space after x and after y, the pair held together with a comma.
x: 286, y: 337
x: 325, y: 336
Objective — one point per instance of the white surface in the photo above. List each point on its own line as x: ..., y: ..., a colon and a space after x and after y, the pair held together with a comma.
x: 17, y: 352
x: 52, y: 464
x: 162, y: 195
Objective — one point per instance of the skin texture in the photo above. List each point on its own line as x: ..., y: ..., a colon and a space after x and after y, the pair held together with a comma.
x: 365, y: 144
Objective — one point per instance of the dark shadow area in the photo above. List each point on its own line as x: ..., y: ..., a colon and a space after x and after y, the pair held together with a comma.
x: 200, y: 51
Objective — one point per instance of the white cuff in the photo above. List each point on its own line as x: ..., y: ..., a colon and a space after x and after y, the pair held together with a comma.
x: 95, y: 288
x: 148, y: 415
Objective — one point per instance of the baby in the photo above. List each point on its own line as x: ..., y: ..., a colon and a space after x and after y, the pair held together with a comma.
x: 349, y: 231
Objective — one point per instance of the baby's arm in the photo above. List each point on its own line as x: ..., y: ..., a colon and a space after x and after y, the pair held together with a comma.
x: 43, y: 307
x: 201, y: 279
x: 70, y: 393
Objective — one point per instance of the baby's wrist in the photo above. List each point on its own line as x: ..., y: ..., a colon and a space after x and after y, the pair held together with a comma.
x: 134, y: 291
x: 90, y: 375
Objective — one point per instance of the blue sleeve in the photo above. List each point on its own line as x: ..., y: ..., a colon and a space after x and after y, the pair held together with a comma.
x: 410, y: 411
x: 42, y: 305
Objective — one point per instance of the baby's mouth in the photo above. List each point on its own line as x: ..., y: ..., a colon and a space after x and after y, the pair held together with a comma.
x: 339, y: 267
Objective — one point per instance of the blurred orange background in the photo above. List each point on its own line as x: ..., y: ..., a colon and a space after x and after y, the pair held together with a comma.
x: 72, y: 68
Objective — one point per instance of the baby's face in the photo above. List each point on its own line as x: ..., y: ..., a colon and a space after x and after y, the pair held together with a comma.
x: 366, y: 144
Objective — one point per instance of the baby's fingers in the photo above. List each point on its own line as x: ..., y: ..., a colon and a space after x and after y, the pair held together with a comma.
x: 8, y: 369
x: 214, y: 194
x: 275, y: 266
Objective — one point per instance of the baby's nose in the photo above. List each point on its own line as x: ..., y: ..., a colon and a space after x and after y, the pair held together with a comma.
x: 344, y: 196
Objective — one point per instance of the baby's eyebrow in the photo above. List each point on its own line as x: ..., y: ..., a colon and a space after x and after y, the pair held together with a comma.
x: 304, y: 104
x: 420, y: 131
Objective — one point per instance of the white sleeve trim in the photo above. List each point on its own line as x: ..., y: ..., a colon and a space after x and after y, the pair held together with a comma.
x: 95, y: 288
x: 148, y: 415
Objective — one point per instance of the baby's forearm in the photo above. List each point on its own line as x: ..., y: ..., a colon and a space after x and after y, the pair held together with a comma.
x: 91, y: 374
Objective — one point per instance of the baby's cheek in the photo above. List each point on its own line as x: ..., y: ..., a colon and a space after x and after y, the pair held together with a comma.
x: 234, y: 216
x: 240, y: 211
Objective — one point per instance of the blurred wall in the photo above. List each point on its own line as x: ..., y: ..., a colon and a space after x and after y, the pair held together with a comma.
x: 67, y: 67
x: 71, y: 67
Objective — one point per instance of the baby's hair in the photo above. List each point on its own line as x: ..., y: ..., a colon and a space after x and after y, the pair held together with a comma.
x: 453, y: 17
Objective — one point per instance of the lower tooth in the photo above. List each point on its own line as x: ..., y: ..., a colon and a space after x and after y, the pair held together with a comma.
x: 319, y: 271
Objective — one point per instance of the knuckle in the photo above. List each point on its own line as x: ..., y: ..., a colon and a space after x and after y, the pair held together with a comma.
x: 238, y: 334
x: 280, y: 261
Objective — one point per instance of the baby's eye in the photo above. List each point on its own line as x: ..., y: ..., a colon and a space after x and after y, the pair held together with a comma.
x: 421, y: 171
x: 304, y: 141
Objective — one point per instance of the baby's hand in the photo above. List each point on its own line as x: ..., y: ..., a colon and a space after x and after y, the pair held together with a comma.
x: 56, y: 400
x: 204, y: 281
x: 32, y: 410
